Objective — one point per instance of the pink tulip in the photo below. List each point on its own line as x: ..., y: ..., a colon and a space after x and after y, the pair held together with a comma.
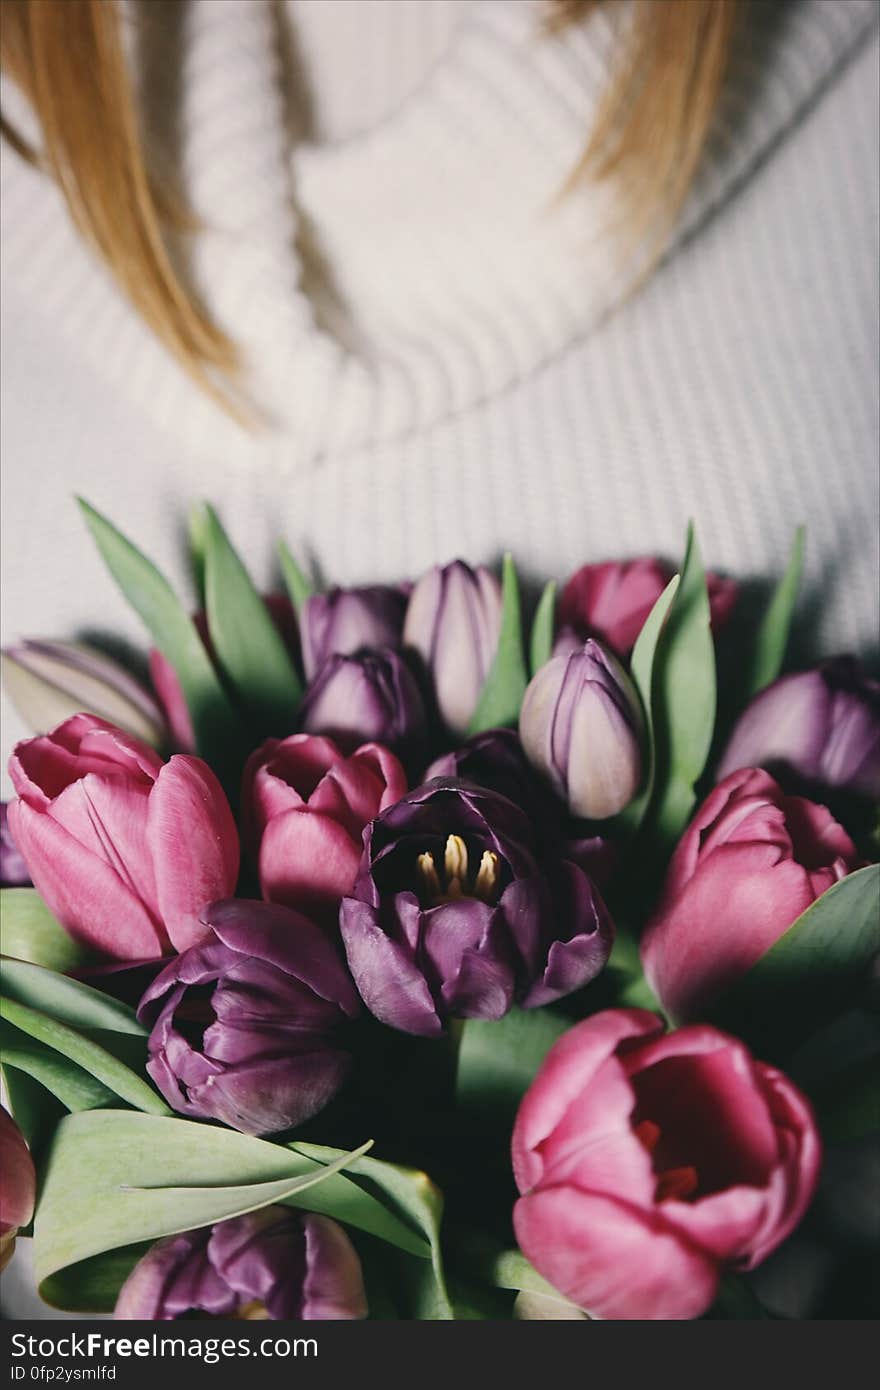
x: 124, y: 850
x: 17, y: 1185
x: 611, y: 601
x: 306, y: 805
x: 751, y: 861
x: 651, y: 1163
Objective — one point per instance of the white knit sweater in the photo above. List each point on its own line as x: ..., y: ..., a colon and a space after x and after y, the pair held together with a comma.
x: 439, y: 343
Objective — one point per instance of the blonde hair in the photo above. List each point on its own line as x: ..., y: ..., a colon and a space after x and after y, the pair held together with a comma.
x: 649, y: 134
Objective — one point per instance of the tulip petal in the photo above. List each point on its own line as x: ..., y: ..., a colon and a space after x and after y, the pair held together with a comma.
x: 194, y: 846
x: 612, y: 1260
x: 390, y: 985
x: 307, y: 861
x: 82, y: 890
x: 272, y: 1094
x: 334, y: 1285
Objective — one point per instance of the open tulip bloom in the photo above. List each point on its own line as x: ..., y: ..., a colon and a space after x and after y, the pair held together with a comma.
x: 382, y: 876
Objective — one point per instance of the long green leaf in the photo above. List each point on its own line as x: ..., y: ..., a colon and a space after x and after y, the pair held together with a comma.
x: 94, y: 1059
x: 812, y: 970
x: 93, y: 1285
x: 541, y: 641
x: 28, y: 931
x: 75, y: 1088
x: 68, y: 1001
x: 502, y: 695
x: 497, y: 1061
x: 772, y: 636
x: 35, y: 1109
x: 408, y: 1194
x: 174, y: 633
x: 685, y: 699
x: 642, y: 670
x: 298, y: 586
x: 247, y: 643
x: 115, y: 1178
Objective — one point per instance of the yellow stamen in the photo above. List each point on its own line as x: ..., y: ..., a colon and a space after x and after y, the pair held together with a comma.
x: 428, y: 875
x: 456, y: 861
x: 486, y: 884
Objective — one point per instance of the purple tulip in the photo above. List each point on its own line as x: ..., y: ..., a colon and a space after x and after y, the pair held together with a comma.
x: 343, y: 622
x: 581, y: 725
x: 13, y: 869
x: 370, y: 698
x: 453, y: 621
x: 49, y: 682
x: 453, y: 916
x: 820, y: 728
x: 272, y: 1263
x: 249, y: 1027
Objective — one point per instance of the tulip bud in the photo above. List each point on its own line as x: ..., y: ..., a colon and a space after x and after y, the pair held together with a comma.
x: 581, y: 725
x: 247, y: 1027
x: 17, y: 1185
x: 272, y: 1263
x: 453, y: 621
x: 343, y: 622
x: 48, y: 682
x: 819, y: 728
x: 612, y: 600
x: 371, y: 698
x: 13, y: 869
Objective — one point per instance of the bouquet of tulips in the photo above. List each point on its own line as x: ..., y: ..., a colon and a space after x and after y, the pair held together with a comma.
x: 387, y: 955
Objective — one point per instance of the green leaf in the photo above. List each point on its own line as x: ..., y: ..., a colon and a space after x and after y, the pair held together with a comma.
x: 498, y: 1061
x: 30, y: 932
x: 541, y: 643
x: 35, y: 1110
x: 174, y: 633
x: 772, y: 635
x: 94, y: 1059
x: 812, y: 970
x: 75, y: 1088
x: 247, y: 643
x: 409, y: 1195
x: 197, y: 542
x: 93, y: 1285
x: 685, y: 699
x: 642, y: 671
x: 502, y: 695
x: 298, y: 586
x: 67, y: 1000
x: 115, y: 1177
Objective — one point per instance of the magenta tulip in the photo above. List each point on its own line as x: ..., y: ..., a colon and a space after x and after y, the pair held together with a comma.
x: 306, y: 806
x: 18, y: 1185
x: 612, y: 600
x: 124, y: 850
x: 651, y: 1163
x: 751, y: 861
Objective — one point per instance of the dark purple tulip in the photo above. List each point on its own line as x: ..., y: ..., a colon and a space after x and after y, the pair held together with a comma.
x: 369, y: 698
x: 819, y: 727
x: 453, y: 621
x: 13, y: 869
x: 345, y: 621
x: 453, y: 916
x: 273, y: 1263
x: 248, y: 1027
x: 581, y: 725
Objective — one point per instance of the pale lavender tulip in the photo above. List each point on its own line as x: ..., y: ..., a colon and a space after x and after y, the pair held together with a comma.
x: 581, y: 725
x: 343, y: 622
x: 819, y: 728
x: 453, y: 621
x: 274, y: 1263
x: 48, y: 682
x: 13, y: 869
x: 124, y: 849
